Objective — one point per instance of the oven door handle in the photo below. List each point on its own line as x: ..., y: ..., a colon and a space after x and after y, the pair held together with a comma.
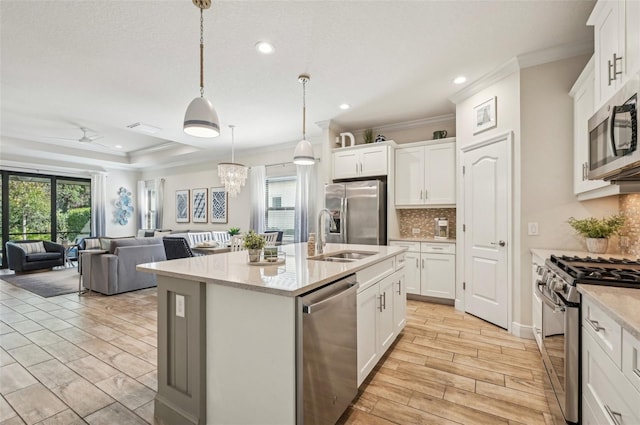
x: 557, y: 308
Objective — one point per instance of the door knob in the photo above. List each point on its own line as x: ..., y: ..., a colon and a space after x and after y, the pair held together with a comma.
x: 501, y: 243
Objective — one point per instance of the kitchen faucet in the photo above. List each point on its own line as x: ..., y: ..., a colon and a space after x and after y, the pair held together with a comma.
x: 333, y: 227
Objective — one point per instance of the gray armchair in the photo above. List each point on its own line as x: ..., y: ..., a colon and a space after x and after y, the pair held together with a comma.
x: 27, y: 255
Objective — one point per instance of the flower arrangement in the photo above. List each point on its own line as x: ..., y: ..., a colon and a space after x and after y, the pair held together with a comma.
x: 252, y: 240
x: 234, y: 231
x: 598, y: 228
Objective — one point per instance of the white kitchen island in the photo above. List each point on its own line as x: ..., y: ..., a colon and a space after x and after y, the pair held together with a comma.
x: 227, y: 330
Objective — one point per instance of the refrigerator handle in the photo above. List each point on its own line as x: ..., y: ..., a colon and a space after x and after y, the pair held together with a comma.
x: 343, y: 229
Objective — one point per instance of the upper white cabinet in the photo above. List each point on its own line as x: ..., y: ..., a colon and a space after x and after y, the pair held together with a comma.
x: 617, y: 45
x: 583, y: 108
x: 425, y: 174
x: 361, y: 161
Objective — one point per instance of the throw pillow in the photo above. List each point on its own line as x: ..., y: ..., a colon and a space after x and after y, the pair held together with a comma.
x: 92, y: 243
x: 105, y: 243
x: 33, y: 247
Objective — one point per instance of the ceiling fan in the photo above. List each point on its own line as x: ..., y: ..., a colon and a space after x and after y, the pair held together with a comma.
x: 88, y: 137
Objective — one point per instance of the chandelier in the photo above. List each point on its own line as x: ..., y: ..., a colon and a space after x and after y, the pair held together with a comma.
x: 231, y: 174
x: 201, y: 119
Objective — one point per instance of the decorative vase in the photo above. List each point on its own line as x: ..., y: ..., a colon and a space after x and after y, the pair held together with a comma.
x: 254, y: 255
x: 597, y: 245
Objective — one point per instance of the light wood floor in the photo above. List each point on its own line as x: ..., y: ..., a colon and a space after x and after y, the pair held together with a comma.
x: 449, y: 367
x: 92, y: 359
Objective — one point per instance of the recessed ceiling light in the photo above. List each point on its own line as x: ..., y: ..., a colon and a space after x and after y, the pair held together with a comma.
x: 460, y: 80
x: 265, y: 47
x: 118, y: 146
x: 345, y: 106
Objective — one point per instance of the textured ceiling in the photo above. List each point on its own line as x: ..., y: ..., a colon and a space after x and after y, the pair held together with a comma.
x: 107, y: 64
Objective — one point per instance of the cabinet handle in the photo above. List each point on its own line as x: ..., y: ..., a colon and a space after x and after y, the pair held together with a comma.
x: 426, y: 194
x: 356, y: 168
x: 380, y: 307
x: 595, y: 325
x: 423, y: 263
x: 610, y: 68
x: 361, y: 167
x: 400, y: 291
x: 421, y: 194
x: 583, y: 170
x: 613, y: 415
x: 615, y: 66
x: 417, y: 263
x: 384, y: 300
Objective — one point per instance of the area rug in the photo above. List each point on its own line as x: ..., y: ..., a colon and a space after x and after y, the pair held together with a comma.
x: 46, y: 284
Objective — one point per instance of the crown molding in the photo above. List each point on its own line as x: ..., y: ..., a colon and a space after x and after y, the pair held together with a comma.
x: 519, y: 62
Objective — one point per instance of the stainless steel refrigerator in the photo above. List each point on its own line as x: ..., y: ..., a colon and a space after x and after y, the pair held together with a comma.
x: 359, y: 209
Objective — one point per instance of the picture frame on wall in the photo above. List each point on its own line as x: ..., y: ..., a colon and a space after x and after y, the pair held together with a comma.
x: 218, y: 200
x: 182, y: 206
x: 484, y: 116
x: 199, y: 205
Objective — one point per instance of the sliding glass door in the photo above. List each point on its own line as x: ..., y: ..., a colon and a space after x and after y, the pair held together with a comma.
x: 43, y: 207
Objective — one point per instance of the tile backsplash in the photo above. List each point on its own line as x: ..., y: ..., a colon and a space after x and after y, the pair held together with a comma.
x: 630, y: 207
x: 424, y: 219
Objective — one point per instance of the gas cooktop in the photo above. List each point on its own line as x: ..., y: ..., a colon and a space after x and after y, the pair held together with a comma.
x: 597, y: 271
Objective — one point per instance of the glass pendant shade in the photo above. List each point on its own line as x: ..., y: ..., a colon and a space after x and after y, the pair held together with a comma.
x: 233, y: 176
x: 303, y: 155
x: 201, y: 120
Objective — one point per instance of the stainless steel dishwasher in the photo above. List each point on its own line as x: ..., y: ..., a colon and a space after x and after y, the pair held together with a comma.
x: 327, y: 369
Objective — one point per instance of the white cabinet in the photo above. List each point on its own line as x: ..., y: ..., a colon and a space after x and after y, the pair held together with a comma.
x: 617, y: 48
x: 608, y: 389
x: 425, y: 174
x: 359, y: 161
x: 381, y: 317
x: 583, y: 108
x: 430, y: 268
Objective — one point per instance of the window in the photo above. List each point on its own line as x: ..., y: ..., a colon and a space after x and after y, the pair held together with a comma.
x: 280, y: 200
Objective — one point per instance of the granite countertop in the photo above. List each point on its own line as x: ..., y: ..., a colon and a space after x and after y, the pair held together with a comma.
x: 622, y: 304
x: 424, y: 240
x: 297, y: 276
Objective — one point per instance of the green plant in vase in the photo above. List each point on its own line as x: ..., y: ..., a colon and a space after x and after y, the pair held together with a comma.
x: 234, y: 231
x: 254, y: 243
x: 368, y: 135
x: 597, y: 231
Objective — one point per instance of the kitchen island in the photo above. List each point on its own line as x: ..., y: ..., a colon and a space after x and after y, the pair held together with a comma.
x: 227, y: 346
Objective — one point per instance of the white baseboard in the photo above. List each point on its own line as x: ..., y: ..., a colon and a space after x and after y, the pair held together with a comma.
x: 522, y: 331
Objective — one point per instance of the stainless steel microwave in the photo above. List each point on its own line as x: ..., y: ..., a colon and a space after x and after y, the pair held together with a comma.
x: 613, y: 136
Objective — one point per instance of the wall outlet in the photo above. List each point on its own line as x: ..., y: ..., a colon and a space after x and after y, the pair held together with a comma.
x: 415, y: 230
x: 533, y: 229
x: 180, y: 305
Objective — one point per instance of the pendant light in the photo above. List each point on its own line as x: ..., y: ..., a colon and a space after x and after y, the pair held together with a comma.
x: 201, y: 120
x: 232, y: 175
x: 303, y: 155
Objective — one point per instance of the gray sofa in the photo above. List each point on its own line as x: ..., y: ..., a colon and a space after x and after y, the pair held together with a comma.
x: 115, y: 272
x: 49, y: 255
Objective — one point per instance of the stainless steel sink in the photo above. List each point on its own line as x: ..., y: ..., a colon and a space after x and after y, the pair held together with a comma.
x: 342, y: 256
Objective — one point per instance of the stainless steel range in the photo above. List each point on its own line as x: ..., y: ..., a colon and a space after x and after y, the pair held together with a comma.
x: 556, y: 286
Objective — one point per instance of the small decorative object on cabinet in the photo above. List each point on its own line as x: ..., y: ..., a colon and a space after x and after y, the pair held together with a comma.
x: 484, y: 116
x: 380, y: 138
x: 368, y: 136
x: 440, y: 134
x: 597, y: 231
x: 199, y: 205
x: 182, y: 206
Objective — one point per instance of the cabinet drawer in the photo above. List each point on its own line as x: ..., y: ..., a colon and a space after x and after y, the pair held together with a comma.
x: 604, y: 330
x: 411, y: 246
x: 373, y: 274
x: 631, y: 358
x: 604, y: 387
x: 438, y: 248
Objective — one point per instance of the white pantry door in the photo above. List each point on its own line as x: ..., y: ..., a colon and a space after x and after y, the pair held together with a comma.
x: 486, y: 219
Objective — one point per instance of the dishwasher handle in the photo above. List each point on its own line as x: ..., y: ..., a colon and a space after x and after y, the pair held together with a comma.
x: 313, y: 308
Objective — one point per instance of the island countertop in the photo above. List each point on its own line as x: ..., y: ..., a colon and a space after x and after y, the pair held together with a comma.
x: 296, y: 276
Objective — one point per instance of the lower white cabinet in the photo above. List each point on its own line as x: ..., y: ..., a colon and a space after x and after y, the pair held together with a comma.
x: 430, y: 268
x: 608, y: 391
x: 381, y: 317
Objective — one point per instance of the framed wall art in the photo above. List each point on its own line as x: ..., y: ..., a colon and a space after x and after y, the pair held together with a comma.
x: 218, y: 200
x: 182, y: 206
x: 484, y: 116
x: 199, y: 205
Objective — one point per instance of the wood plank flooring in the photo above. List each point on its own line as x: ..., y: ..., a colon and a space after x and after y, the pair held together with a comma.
x: 448, y: 367
x: 92, y: 359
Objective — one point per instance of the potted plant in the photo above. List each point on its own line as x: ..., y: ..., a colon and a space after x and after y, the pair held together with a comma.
x: 234, y: 231
x: 368, y: 135
x: 597, y: 231
x: 254, y: 243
